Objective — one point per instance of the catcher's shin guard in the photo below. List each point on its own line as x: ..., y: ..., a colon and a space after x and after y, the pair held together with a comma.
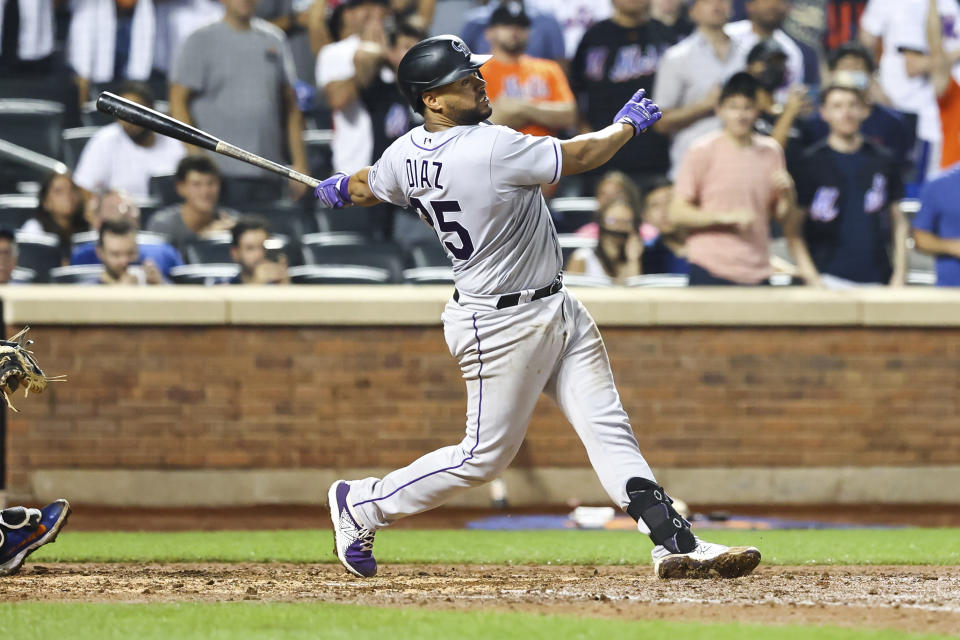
x: 651, y: 505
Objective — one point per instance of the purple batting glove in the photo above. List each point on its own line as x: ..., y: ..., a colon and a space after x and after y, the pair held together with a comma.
x: 639, y: 112
x: 334, y: 192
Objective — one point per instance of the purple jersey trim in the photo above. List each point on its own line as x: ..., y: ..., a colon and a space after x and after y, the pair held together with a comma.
x: 476, y: 444
x: 556, y: 156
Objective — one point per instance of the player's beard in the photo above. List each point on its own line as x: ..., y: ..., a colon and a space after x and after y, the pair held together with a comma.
x: 476, y: 115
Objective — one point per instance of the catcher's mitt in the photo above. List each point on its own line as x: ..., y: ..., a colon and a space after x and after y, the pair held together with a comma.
x: 19, y: 368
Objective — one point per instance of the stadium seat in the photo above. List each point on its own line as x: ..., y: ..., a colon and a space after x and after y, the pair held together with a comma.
x: 214, y: 248
x: 372, y: 222
x: 205, y: 274
x: 580, y: 280
x: 163, y: 189
x: 240, y: 193
x: 286, y: 218
x: 22, y: 275
x: 351, y: 250
x: 23, y: 169
x: 428, y: 254
x: 34, y: 124
x: 75, y: 274
x: 570, y: 242
x: 90, y: 117
x: 37, y: 88
x: 658, y: 280
x: 428, y: 275
x: 148, y: 207
x: 319, y: 154
x: 38, y: 251
x: 73, y: 142
x: 210, y: 248
x: 338, y: 274
x: 15, y: 209
x: 569, y: 214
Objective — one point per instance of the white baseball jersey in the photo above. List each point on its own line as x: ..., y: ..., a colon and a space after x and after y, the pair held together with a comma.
x: 478, y: 186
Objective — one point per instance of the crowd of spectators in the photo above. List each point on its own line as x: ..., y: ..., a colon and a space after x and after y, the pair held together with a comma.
x: 813, y: 142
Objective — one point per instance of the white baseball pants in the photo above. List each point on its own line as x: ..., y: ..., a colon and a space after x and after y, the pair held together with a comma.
x: 508, y: 357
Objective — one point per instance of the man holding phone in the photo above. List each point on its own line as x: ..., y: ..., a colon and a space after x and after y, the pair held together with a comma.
x: 248, y: 249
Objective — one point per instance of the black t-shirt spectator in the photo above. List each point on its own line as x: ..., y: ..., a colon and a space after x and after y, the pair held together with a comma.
x: 389, y: 112
x: 884, y: 127
x: 611, y: 63
x: 848, y: 196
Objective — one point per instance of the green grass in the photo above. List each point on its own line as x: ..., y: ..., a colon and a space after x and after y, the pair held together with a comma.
x: 853, y: 546
x: 79, y: 621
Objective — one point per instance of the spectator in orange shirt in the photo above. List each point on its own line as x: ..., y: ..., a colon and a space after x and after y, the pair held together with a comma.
x: 530, y: 95
x: 946, y: 86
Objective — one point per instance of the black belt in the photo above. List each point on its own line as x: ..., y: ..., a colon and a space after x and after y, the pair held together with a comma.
x: 513, y: 299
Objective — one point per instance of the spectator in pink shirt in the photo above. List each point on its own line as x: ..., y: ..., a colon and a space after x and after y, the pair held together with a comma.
x: 731, y: 183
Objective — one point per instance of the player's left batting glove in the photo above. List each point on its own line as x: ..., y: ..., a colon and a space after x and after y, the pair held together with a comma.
x: 334, y: 192
x: 639, y: 112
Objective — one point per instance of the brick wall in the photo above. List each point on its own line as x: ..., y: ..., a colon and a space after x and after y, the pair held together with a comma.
x: 247, y: 397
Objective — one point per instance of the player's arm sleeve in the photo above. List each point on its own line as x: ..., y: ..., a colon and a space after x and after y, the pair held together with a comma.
x: 383, y: 182
x: 928, y: 217
x: 92, y: 172
x: 522, y: 160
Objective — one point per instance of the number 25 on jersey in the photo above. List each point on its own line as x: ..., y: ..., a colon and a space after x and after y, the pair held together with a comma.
x: 441, y: 208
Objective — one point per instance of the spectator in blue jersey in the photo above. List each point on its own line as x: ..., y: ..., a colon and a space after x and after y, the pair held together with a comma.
x: 546, y: 35
x: 936, y: 227
x: 119, y: 254
x: 850, y: 188
x: 852, y: 64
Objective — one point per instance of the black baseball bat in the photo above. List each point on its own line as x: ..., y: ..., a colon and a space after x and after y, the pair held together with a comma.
x: 134, y: 113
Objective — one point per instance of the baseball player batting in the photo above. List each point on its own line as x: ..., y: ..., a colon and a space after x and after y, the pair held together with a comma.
x: 511, y: 325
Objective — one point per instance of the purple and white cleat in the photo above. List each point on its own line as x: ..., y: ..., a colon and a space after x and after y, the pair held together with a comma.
x: 353, y: 544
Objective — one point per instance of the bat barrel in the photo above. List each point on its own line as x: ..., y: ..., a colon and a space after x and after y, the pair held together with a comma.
x: 137, y: 114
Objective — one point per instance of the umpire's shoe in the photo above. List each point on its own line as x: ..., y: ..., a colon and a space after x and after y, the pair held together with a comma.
x: 23, y: 531
x: 353, y: 544
x: 707, y: 560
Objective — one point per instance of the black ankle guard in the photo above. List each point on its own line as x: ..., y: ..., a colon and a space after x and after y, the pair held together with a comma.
x: 650, y: 503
